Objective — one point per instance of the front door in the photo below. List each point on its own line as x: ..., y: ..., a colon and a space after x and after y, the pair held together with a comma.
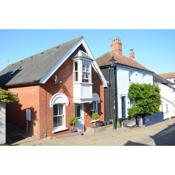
x: 123, y: 105
x: 80, y: 117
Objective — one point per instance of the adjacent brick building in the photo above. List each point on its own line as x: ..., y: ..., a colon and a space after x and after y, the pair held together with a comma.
x: 54, y: 85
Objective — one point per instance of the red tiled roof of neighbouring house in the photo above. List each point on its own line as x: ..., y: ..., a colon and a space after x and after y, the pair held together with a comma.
x: 168, y: 75
x: 104, y: 60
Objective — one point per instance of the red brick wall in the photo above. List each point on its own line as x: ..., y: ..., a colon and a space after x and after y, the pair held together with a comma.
x: 38, y: 98
x: 49, y: 89
x: 29, y: 98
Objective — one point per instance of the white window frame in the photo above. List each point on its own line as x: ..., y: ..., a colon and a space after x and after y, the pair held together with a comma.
x: 85, y: 63
x: 59, y: 98
x: 75, y: 71
x: 63, y: 126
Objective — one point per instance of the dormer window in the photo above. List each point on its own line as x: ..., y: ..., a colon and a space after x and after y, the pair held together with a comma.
x: 86, y: 72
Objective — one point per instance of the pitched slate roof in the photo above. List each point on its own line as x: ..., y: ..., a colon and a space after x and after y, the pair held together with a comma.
x: 104, y: 61
x: 32, y: 69
x: 168, y: 75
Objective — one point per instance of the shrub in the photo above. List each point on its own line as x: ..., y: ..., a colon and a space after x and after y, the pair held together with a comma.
x: 7, y: 97
x: 133, y: 111
x: 72, y: 121
x: 146, y: 99
x: 95, y: 116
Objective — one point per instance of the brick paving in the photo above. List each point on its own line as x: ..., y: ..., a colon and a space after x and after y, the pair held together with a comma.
x: 159, y: 134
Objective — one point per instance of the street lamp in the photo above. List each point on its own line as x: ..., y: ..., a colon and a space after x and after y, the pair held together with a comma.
x: 113, y: 62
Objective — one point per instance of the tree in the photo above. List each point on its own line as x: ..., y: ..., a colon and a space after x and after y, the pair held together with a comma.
x: 146, y: 99
x: 7, y: 97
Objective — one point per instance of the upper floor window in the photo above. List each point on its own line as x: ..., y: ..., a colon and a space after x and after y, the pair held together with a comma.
x: 131, y: 73
x: 86, y: 72
x: 75, y: 71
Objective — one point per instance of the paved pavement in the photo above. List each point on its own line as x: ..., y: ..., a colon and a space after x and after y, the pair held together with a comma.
x: 159, y: 134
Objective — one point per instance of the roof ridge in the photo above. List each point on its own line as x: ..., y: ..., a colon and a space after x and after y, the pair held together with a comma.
x: 44, y: 51
x: 126, y: 59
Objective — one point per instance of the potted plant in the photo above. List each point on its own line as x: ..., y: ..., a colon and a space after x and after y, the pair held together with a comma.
x: 95, y: 118
x: 72, y: 123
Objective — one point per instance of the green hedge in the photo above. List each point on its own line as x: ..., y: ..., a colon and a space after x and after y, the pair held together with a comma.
x: 7, y: 97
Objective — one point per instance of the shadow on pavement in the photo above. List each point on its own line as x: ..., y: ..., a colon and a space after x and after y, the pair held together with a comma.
x: 166, y: 137
x: 131, y: 143
x: 14, y: 134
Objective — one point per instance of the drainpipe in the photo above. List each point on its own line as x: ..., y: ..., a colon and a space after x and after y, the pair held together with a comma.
x: 114, y: 66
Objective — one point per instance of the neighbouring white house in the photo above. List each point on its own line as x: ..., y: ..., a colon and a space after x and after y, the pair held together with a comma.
x: 169, y: 76
x: 2, y: 123
x: 167, y: 92
x: 128, y: 71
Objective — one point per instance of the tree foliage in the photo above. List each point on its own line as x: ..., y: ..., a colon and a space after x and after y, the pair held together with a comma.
x: 7, y: 97
x: 146, y: 98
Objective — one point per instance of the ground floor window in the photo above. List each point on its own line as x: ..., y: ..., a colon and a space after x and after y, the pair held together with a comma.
x: 95, y: 102
x: 58, y: 115
x: 94, y: 107
x: 58, y: 102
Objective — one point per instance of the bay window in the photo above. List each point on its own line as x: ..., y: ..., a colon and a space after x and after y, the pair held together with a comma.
x: 86, y: 71
x: 75, y: 71
x: 82, y: 81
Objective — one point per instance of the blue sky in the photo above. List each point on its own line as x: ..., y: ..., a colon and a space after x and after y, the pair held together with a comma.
x: 153, y: 48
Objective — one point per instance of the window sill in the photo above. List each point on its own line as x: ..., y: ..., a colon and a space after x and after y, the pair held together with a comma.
x: 55, y: 130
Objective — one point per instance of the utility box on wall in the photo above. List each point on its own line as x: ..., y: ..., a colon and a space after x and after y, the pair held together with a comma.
x: 2, y: 123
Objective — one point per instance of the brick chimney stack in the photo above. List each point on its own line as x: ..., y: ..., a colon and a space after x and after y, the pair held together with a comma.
x: 132, y: 54
x: 117, y: 47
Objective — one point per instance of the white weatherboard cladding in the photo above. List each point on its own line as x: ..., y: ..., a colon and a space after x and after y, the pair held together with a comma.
x: 125, y: 77
x: 2, y: 123
x: 168, y: 101
x: 172, y: 80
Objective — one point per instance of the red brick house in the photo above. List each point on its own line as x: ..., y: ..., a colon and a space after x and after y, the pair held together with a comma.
x: 54, y: 85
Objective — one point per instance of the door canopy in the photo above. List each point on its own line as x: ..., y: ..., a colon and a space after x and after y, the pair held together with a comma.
x: 95, y: 97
